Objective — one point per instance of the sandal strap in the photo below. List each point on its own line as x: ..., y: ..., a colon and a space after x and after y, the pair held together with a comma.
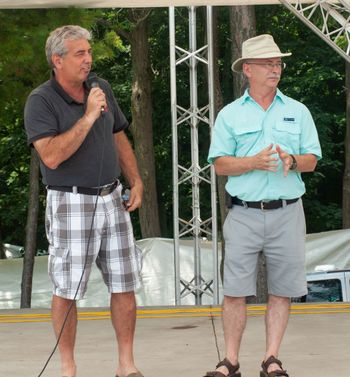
x: 232, y: 369
x: 214, y: 374
x: 276, y: 373
x: 269, y: 361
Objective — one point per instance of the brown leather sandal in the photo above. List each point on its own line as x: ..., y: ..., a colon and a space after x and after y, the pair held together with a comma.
x: 232, y: 370
x: 276, y: 373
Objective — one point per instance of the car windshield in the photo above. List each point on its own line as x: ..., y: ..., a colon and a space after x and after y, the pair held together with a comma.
x: 324, y: 291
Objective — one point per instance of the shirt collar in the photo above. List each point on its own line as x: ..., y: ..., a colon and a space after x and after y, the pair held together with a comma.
x: 280, y: 96
x: 58, y: 88
x: 246, y: 97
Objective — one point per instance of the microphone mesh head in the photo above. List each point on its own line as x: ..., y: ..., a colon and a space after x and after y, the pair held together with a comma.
x: 92, y: 81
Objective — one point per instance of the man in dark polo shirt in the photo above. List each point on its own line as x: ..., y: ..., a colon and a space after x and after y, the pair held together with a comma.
x: 77, y: 128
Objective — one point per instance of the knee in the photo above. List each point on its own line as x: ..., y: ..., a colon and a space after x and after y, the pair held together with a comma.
x: 234, y: 301
x: 278, y: 300
x: 125, y: 300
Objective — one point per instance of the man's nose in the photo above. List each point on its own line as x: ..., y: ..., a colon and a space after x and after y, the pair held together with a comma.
x: 88, y: 57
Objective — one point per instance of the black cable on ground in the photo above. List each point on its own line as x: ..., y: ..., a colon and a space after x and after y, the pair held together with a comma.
x: 214, y: 332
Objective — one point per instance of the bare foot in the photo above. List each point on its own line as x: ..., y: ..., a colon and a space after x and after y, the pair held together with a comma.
x: 272, y: 367
x: 124, y: 373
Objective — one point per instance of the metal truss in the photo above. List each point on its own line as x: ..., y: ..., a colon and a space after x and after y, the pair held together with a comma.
x: 328, y: 19
x: 197, y: 118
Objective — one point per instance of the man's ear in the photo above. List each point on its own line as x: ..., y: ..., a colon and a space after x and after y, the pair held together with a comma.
x: 56, y: 60
x: 246, y: 69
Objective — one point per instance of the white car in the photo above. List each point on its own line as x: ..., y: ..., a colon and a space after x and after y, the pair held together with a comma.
x: 327, y: 284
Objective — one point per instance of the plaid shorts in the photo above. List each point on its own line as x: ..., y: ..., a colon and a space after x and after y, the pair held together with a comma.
x: 110, y: 243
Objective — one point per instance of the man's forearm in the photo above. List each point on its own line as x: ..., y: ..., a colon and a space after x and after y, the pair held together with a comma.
x: 305, y: 162
x: 231, y: 166
x: 54, y: 150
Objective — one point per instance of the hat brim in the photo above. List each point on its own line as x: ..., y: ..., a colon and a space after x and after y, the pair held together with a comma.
x: 237, y: 64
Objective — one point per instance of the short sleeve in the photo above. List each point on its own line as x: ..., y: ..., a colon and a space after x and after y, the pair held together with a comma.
x: 309, y: 142
x: 223, y: 142
x: 39, y: 118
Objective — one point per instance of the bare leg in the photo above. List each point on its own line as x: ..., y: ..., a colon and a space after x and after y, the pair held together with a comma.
x: 234, y: 320
x: 276, y: 319
x: 60, y: 308
x: 123, y: 310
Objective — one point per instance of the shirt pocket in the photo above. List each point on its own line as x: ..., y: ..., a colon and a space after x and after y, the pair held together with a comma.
x: 248, y: 137
x: 288, y: 135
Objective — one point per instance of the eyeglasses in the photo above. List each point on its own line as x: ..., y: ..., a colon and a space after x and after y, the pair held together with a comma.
x: 271, y: 66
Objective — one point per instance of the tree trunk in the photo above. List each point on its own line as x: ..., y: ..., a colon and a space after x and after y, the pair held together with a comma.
x: 31, y: 227
x: 218, y: 104
x: 346, y: 178
x: 142, y: 126
x: 242, y: 27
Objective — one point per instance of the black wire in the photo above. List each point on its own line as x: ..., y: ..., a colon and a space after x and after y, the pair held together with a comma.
x: 214, y: 331
x: 87, y: 253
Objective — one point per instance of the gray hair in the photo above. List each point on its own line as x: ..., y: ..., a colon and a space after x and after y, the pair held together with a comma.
x: 55, y: 43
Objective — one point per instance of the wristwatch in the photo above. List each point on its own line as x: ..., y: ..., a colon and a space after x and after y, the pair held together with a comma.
x: 294, y: 163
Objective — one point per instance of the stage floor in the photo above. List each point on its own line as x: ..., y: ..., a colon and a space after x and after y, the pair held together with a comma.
x: 178, y: 341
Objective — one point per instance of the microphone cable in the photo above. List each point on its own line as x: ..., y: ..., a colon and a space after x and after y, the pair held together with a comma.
x: 87, y: 250
x: 214, y: 333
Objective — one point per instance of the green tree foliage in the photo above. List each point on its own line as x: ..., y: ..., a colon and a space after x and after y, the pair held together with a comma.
x: 23, y: 66
x: 314, y: 76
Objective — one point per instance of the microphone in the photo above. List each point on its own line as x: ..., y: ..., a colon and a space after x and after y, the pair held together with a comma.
x: 92, y: 82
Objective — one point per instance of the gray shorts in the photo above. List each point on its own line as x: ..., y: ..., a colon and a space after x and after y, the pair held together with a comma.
x: 280, y: 234
x: 111, y: 246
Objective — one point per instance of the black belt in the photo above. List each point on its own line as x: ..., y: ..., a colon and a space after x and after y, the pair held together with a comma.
x: 101, y: 191
x: 273, y: 204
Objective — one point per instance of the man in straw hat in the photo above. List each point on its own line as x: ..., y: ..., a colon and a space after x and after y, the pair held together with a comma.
x: 262, y: 142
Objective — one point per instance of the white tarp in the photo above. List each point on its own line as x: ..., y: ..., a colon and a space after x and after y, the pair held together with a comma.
x: 158, y: 271
x: 331, y: 248
x: 12, y: 4
x: 157, y: 277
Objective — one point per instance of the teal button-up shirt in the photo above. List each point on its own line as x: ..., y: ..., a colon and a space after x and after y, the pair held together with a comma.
x: 243, y: 128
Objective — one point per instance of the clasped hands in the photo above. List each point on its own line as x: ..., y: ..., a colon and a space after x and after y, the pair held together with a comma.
x: 266, y: 160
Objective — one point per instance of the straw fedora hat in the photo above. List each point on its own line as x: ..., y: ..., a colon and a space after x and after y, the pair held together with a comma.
x: 260, y: 47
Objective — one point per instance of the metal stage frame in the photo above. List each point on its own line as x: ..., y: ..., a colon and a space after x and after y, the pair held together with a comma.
x: 195, y: 117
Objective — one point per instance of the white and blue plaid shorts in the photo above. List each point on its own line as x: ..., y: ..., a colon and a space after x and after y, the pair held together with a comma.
x: 111, y: 243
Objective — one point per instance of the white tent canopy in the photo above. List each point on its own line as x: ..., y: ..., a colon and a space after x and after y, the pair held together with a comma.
x: 12, y: 4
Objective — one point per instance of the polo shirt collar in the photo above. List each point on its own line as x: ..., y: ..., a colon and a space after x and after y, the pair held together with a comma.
x: 58, y: 88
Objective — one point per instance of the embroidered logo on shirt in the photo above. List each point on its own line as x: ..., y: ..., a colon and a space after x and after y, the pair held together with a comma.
x: 289, y: 119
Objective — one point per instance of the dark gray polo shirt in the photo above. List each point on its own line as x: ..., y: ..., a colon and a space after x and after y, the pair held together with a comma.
x: 50, y: 111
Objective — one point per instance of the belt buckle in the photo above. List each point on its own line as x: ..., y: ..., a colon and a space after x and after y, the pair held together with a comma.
x: 262, y: 205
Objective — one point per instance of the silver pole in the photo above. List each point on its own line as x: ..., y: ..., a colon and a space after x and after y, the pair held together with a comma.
x: 175, y: 153
x: 194, y: 151
x: 212, y: 171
